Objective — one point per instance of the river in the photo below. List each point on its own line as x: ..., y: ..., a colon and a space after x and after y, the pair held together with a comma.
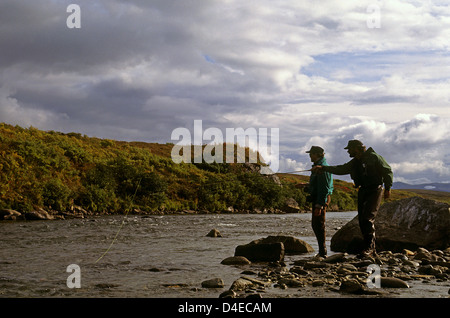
x: 140, y: 256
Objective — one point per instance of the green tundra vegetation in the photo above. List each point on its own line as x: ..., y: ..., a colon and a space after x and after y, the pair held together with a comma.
x: 56, y: 171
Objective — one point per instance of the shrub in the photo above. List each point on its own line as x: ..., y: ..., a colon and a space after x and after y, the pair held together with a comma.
x: 55, y: 194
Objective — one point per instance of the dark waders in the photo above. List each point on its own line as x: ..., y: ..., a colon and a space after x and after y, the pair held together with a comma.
x: 369, y: 200
x: 318, y: 225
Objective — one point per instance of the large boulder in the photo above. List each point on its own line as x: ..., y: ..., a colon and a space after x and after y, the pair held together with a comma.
x: 404, y: 224
x: 261, y: 252
x: 292, y: 245
x: 272, y: 248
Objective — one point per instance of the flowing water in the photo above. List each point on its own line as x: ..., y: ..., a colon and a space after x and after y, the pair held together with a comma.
x: 151, y: 256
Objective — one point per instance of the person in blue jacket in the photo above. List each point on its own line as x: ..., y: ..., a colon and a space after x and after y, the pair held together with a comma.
x: 320, y: 189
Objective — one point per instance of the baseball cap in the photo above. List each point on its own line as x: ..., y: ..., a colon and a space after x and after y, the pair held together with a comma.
x: 316, y: 149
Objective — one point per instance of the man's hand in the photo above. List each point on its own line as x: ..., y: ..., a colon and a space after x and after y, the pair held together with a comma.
x: 318, y: 210
x: 387, y: 194
x: 317, y: 169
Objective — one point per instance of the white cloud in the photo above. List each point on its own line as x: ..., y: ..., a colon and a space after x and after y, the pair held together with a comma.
x: 138, y: 69
x: 14, y: 113
x: 410, y: 168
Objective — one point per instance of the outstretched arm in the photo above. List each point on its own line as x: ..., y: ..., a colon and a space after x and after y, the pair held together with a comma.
x: 346, y: 168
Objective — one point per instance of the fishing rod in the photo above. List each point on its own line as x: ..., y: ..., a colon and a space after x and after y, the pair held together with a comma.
x: 290, y: 172
x: 250, y: 175
x: 122, y: 224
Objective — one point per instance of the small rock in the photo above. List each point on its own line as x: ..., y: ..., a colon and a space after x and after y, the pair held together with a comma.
x: 228, y: 294
x: 290, y: 282
x: 408, y: 252
x: 401, y: 257
x: 38, y: 215
x: 363, y: 263
x: 241, y: 284
x: 425, y: 269
x: 392, y: 282
x: 317, y: 283
x: 6, y: 214
x: 422, y: 256
x: 256, y: 281
x: 411, y: 263
x: 235, y: 260
x: 346, y: 268
x: 423, y: 250
x: 435, y: 271
x: 213, y: 283
x: 214, y: 233
x: 298, y: 270
x: 438, y: 253
x: 351, y: 286
x: 338, y: 257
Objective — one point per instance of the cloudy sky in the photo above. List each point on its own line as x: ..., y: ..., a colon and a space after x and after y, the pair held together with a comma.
x: 323, y: 72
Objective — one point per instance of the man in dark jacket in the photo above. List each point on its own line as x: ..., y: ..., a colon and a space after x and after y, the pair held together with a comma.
x: 369, y: 172
x: 320, y: 189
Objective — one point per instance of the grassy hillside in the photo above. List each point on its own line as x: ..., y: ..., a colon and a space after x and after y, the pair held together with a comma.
x: 427, y: 194
x: 57, y: 172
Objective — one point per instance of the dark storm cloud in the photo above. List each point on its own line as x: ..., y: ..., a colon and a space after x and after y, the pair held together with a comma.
x: 136, y: 70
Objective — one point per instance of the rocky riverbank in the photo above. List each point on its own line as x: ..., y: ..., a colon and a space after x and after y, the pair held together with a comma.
x: 80, y: 213
x: 344, y: 275
x: 412, y: 241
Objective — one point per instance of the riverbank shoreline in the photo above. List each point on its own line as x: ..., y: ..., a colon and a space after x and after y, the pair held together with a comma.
x: 80, y: 213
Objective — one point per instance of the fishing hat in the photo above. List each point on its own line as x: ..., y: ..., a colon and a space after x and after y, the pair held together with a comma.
x: 354, y: 144
x: 316, y: 149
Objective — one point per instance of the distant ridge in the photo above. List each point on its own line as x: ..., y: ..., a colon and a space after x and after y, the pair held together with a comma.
x: 445, y: 187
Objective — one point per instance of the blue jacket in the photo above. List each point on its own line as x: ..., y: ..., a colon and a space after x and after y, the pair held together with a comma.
x: 320, y: 184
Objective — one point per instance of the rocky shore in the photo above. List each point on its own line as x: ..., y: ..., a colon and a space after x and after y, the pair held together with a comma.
x: 343, y: 274
x: 413, y: 242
